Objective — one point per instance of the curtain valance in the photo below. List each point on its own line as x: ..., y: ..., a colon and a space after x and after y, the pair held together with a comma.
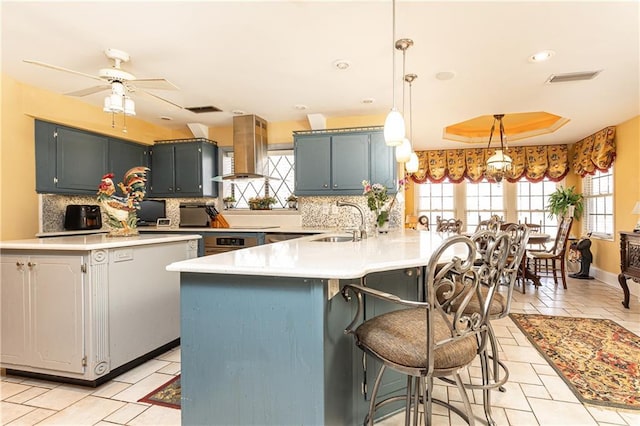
x: 534, y: 163
x: 594, y: 152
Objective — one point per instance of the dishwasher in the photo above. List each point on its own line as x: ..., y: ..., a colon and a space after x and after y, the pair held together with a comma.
x: 224, y: 243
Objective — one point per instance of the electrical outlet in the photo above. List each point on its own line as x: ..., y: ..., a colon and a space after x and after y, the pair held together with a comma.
x: 334, y: 209
x: 325, y: 208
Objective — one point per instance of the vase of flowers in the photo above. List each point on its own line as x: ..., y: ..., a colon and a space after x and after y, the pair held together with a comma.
x: 380, y: 203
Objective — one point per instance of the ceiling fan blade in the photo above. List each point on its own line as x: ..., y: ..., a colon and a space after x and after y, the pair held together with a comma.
x: 55, y: 67
x: 154, y: 83
x: 89, y: 90
x: 159, y: 98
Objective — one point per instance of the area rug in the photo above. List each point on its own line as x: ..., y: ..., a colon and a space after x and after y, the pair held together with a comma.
x: 167, y: 395
x: 597, y: 358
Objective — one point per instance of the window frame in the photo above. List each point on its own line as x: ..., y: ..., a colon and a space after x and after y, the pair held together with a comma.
x: 587, y: 187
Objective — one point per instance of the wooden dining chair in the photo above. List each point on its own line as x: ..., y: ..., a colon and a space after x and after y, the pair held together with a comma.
x: 426, y: 339
x: 552, y: 262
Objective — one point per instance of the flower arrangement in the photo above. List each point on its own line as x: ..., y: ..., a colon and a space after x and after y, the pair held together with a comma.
x: 378, y: 199
x: 261, y: 203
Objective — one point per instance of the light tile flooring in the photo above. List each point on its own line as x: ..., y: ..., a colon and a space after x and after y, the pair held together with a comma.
x: 535, y: 394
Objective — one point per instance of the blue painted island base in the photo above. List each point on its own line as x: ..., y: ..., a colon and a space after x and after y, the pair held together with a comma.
x: 264, y: 351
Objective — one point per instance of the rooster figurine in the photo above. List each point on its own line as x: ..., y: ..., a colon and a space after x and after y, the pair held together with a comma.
x: 121, y: 210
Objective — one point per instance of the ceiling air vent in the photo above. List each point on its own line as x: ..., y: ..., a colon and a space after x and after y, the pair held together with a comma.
x: 572, y: 76
x: 203, y: 109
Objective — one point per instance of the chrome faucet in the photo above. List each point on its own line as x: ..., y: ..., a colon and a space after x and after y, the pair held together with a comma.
x: 361, y: 233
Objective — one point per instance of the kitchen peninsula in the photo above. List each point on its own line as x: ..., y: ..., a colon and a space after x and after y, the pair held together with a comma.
x: 262, y: 328
x: 85, y: 308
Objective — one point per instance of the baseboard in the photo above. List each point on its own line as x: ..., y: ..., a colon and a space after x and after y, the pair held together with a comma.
x: 611, y: 279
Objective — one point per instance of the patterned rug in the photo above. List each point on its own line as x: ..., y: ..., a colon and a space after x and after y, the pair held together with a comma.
x: 597, y: 358
x: 167, y: 395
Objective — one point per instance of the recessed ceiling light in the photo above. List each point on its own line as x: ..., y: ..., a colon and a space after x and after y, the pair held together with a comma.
x: 238, y: 112
x: 368, y: 100
x: 445, y: 75
x: 541, y: 56
x: 342, y: 64
x: 166, y: 118
x: 300, y: 107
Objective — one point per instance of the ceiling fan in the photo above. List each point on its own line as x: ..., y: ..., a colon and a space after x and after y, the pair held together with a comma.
x: 117, y: 80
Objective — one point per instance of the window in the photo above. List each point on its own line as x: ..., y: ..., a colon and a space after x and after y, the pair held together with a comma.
x: 531, y: 204
x: 598, y: 204
x: 436, y: 199
x: 483, y: 200
x: 281, y: 166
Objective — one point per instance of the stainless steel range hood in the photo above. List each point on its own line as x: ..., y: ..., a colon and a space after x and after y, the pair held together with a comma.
x: 250, y: 159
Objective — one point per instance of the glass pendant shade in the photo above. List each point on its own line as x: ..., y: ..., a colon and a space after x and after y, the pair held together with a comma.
x: 403, y: 151
x: 499, y: 161
x: 413, y: 164
x: 129, y: 106
x: 394, y: 130
x: 113, y: 103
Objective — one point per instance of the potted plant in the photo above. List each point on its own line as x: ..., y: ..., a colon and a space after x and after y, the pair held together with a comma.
x: 565, y: 202
x: 261, y: 203
x: 292, y: 201
x: 229, y: 202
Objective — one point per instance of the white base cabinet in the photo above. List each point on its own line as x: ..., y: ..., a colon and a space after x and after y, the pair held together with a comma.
x: 80, y: 315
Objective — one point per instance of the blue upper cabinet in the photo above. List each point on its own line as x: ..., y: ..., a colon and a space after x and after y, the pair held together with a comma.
x: 124, y: 155
x: 73, y: 161
x: 336, y: 163
x: 184, y: 169
x: 312, y: 158
x: 383, y: 162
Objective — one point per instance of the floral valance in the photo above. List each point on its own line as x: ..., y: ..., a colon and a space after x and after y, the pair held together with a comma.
x: 595, y: 152
x: 534, y: 163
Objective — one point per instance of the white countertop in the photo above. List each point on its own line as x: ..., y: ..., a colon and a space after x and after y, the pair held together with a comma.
x: 303, y: 257
x: 92, y: 242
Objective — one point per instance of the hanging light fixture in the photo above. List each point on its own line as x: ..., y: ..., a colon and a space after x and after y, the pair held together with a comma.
x: 394, y: 129
x: 412, y: 165
x: 403, y: 151
x: 499, y: 163
x: 118, y: 102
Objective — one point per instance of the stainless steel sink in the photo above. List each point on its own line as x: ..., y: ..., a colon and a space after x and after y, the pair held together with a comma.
x: 334, y: 239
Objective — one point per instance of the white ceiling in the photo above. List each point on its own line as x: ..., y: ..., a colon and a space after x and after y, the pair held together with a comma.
x: 265, y: 57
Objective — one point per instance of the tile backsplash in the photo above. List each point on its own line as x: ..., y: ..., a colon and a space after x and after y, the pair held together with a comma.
x: 313, y: 212
x: 53, y: 207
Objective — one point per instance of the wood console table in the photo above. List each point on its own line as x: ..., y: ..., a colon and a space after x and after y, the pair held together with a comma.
x: 629, y: 262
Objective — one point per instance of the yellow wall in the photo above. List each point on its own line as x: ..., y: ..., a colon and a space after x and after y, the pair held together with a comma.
x: 20, y: 105
x: 626, y: 190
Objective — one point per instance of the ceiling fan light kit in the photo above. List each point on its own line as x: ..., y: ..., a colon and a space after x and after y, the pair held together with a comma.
x: 120, y: 82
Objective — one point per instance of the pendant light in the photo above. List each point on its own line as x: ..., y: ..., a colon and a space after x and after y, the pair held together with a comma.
x: 413, y: 164
x: 403, y: 151
x: 394, y: 129
x: 499, y: 163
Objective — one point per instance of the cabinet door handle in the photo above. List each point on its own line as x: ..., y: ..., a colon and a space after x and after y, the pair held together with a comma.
x: 177, y: 188
x: 31, y: 264
x: 19, y: 264
x: 335, y: 185
x: 325, y: 185
x: 170, y: 189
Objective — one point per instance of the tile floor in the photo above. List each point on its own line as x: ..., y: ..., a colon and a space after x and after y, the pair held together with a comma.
x: 535, y: 394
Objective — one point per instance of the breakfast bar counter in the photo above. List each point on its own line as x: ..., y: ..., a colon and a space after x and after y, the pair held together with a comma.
x: 262, y: 328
